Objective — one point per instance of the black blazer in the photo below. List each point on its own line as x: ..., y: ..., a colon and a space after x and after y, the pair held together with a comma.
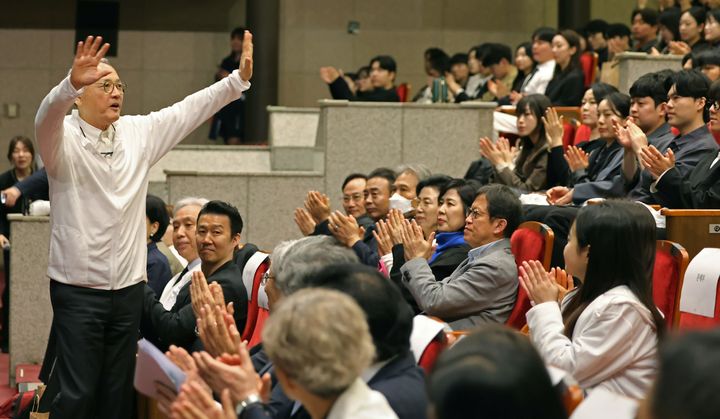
x: 340, y: 90
x: 566, y: 88
x: 699, y: 189
x: 177, y: 326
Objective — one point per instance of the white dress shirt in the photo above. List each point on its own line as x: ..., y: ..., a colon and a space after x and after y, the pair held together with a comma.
x: 174, y: 285
x: 360, y: 402
x: 614, y: 342
x: 98, y: 237
x: 540, y: 79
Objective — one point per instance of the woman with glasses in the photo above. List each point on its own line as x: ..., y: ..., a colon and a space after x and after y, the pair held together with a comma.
x: 21, y: 155
x: 452, y: 201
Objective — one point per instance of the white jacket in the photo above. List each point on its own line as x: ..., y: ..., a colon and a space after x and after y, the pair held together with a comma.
x: 614, y: 343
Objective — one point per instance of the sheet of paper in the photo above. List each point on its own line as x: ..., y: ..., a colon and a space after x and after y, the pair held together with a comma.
x: 700, y: 283
x: 602, y: 404
x: 152, y: 368
x: 424, y: 331
x: 533, y: 199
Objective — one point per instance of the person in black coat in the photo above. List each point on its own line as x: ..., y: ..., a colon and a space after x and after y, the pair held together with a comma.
x: 699, y: 189
x: 158, y: 267
x: 383, y: 70
x: 217, y: 234
x: 568, y: 84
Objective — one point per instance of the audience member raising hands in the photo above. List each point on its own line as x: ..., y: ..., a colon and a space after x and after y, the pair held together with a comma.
x: 605, y: 332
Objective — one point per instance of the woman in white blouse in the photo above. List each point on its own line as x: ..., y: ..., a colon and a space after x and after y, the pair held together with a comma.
x: 605, y: 332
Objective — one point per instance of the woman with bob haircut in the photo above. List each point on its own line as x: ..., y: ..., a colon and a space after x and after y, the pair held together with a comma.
x: 605, y: 332
x: 527, y: 172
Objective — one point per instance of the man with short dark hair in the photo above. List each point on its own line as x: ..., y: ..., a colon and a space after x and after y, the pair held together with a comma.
x: 483, y: 288
x: 538, y: 80
x: 644, y: 29
x: 383, y: 71
x: 595, y: 33
x: 708, y: 61
x: 499, y: 61
x: 459, y: 68
x: 217, y: 234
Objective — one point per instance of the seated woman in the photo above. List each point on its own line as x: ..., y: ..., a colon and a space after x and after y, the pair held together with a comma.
x: 591, y: 172
x: 493, y: 373
x: 527, y: 172
x: 605, y: 332
x: 307, y: 339
x: 455, y: 198
x: 691, y: 28
x: 558, y: 170
x: 158, y: 267
x: 568, y: 84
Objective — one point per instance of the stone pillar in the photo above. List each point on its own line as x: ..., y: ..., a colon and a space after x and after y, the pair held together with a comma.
x: 263, y: 20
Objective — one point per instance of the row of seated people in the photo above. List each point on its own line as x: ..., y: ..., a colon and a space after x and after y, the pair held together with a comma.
x: 560, y: 64
x: 303, y: 351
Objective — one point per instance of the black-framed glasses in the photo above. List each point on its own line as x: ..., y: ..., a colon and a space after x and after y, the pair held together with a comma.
x: 108, y: 86
x: 475, y: 213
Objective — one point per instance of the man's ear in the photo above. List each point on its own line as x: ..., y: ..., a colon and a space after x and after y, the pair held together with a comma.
x: 500, y: 226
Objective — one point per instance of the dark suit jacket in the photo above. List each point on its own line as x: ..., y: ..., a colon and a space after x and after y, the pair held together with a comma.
x: 366, y: 249
x: 35, y: 187
x: 566, y: 88
x: 699, y: 189
x: 340, y: 90
x: 177, y: 326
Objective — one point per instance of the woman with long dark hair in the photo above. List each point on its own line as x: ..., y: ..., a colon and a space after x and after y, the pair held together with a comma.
x: 568, y: 84
x: 527, y: 172
x: 605, y: 332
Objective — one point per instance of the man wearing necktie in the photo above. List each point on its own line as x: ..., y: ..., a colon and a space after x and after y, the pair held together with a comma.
x: 97, y: 164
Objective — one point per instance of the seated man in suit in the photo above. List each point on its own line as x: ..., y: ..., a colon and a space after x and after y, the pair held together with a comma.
x: 483, y: 288
x: 217, y: 235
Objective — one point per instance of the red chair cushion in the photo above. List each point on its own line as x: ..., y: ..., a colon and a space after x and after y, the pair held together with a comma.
x: 402, y: 92
x: 666, y: 277
x: 526, y: 245
x: 432, y: 352
x: 689, y: 321
x: 582, y: 134
x: 568, y: 134
x: 588, y: 64
x: 256, y: 337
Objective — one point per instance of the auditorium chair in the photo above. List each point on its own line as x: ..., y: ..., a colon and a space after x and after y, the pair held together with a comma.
x: 531, y: 241
x: 262, y: 315
x: 403, y: 91
x: 671, y: 261
x: 589, y: 64
x: 694, y: 229
x: 252, y: 276
x: 691, y: 321
x: 427, y: 340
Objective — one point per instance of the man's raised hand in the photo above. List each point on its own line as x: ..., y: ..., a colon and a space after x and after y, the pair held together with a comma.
x: 246, y: 58
x: 85, y: 69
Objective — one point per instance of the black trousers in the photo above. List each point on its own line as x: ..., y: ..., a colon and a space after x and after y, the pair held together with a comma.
x: 96, y: 334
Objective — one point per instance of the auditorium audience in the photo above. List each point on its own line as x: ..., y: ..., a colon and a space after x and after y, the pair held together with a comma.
x: 669, y: 28
x: 479, y: 75
x: 405, y: 184
x: 692, y: 22
x: 383, y: 71
x: 708, y: 61
x: 499, y: 61
x: 217, y: 234
x: 527, y: 172
x: 595, y: 34
x: 158, y: 266
x: 492, y: 373
x: 483, y: 288
x: 459, y: 70
x: 605, y: 332
x: 711, y: 31
x: 644, y: 29
x: 437, y: 64
x: 184, y: 222
x: 21, y: 155
x: 524, y: 63
x: 568, y: 83
x: 618, y: 39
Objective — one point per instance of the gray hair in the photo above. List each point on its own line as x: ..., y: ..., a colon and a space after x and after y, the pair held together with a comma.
x: 320, y: 339
x: 419, y: 170
x: 187, y: 201
x: 292, y: 262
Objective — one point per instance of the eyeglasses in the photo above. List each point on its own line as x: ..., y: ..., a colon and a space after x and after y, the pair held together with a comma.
x: 108, y: 86
x: 475, y: 213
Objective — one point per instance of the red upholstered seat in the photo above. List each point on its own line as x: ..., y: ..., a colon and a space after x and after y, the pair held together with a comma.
x: 568, y: 134
x: 531, y: 241
x: 582, y: 134
x: 671, y: 260
x: 253, y: 273
x: 589, y: 64
x: 432, y: 352
x: 403, y: 91
x: 690, y: 321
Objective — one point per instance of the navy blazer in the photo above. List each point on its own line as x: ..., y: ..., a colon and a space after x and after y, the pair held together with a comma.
x: 699, y: 189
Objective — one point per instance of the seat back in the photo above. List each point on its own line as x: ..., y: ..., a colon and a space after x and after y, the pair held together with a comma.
x: 252, y: 275
x: 671, y: 261
x: 403, y: 91
x: 692, y: 321
x: 568, y: 139
x: 432, y: 352
x: 531, y: 241
x: 262, y: 315
x: 589, y: 64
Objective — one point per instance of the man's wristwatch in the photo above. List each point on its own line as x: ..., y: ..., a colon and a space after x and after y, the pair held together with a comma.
x: 244, y: 404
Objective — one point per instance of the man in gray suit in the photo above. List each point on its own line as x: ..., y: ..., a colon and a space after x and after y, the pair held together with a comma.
x: 483, y: 288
